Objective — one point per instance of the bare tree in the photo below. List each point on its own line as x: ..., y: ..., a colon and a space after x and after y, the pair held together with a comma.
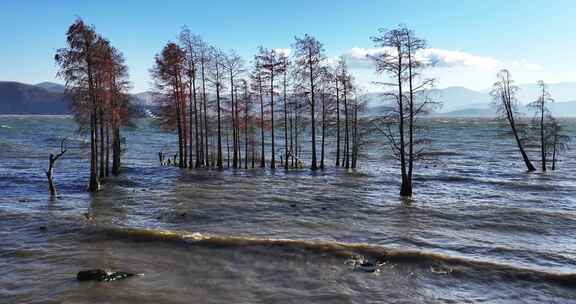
x: 542, y: 118
x: 272, y: 65
x: 234, y: 66
x: 309, y: 56
x: 410, y: 98
x: 257, y: 77
x: 191, y: 45
x: 504, y: 95
x: 557, y: 141
x: 216, y: 78
x: 285, y: 62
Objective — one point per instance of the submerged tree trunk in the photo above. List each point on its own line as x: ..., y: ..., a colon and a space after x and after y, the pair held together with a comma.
x: 346, y: 156
x: 50, y: 172
x: 323, y: 131
x: 179, y: 127
x: 337, y: 124
x: 116, y: 151
x: 291, y: 139
x: 102, y: 146
x: 219, y: 148
x: 313, y: 165
x: 554, y: 151
x: 273, y: 159
x: 262, y: 156
x: 107, y: 150
x: 246, y: 101
x: 204, y: 102
x: 94, y: 184
x: 285, y: 124
x: 542, y: 138
x: 355, y: 139
x: 406, y: 186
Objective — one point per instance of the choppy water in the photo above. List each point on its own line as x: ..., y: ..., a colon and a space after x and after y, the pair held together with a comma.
x: 480, y: 229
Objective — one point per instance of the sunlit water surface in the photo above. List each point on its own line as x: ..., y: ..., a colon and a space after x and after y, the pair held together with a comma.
x: 479, y: 230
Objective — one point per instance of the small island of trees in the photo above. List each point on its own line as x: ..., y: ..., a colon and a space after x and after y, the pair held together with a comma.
x: 230, y: 114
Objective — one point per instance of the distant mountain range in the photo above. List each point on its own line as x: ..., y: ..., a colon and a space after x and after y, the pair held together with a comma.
x: 19, y: 98
x: 460, y: 101
x: 46, y: 98
x: 50, y: 98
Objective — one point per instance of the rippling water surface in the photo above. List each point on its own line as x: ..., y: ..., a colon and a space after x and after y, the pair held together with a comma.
x: 479, y: 230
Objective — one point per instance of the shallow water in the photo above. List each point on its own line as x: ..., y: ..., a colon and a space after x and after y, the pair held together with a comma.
x: 479, y: 229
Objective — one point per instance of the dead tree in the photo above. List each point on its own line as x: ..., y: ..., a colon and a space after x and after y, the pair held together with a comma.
x: 557, y: 141
x: 52, y: 162
x: 309, y: 58
x: 504, y: 95
x: 409, y: 99
x: 542, y: 118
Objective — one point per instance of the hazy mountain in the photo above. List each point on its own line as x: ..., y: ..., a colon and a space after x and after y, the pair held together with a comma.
x: 459, y: 98
x: 145, y: 99
x: 19, y: 98
x: 52, y: 87
x: 459, y: 101
x: 452, y: 98
x: 49, y: 98
x: 561, y: 92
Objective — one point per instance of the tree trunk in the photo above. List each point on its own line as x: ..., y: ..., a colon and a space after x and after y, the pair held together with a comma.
x: 313, y: 165
x: 219, y: 152
x: 196, y: 135
x: 116, y: 151
x: 554, y: 151
x: 205, y: 102
x: 296, y: 150
x: 337, y: 125
x: 102, y: 146
x: 323, y: 131
x: 346, y: 160
x: 246, y: 100
x: 179, y: 127
x: 411, y: 116
x: 406, y: 187
x: 542, y: 139
x: 285, y: 123
x: 107, y: 150
x: 262, y: 156
x: 273, y: 160
x: 291, y: 139
x: 49, y: 172
x: 233, y: 114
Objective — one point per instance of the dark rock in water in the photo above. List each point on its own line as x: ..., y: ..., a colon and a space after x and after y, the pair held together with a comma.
x: 367, y: 266
x: 363, y: 264
x: 101, y: 275
x: 42, y: 228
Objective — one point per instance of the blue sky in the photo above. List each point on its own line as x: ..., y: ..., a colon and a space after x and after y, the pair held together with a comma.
x: 534, y: 39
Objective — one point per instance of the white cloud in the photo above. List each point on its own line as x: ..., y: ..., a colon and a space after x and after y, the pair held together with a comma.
x: 453, y: 67
x: 358, y: 57
x: 451, y: 58
x: 524, y: 64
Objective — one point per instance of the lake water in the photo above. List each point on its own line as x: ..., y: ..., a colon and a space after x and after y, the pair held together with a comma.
x: 479, y: 229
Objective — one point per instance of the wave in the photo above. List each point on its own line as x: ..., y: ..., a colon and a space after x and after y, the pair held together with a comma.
x: 370, y: 255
